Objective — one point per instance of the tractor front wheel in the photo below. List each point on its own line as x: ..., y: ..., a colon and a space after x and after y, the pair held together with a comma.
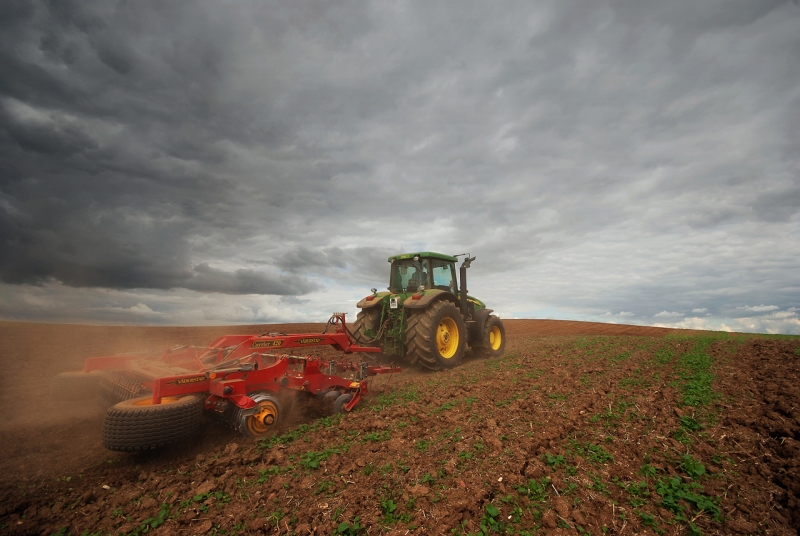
x: 493, y: 338
x: 436, y: 336
x: 138, y: 424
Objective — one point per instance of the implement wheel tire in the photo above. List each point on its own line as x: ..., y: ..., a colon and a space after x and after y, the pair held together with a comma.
x: 367, y: 319
x: 341, y: 400
x: 138, y: 424
x: 331, y: 396
x: 265, y: 420
x: 70, y: 386
x: 436, y: 336
x: 493, y: 338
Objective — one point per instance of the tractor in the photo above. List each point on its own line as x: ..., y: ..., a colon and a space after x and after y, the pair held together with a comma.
x: 426, y: 317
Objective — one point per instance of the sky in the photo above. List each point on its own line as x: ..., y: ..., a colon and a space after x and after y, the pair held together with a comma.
x: 208, y: 163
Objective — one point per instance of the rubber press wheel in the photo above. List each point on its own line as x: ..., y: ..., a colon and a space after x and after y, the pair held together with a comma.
x: 266, y: 418
x: 138, y: 424
x: 75, y: 385
x: 436, y: 337
x: 338, y: 406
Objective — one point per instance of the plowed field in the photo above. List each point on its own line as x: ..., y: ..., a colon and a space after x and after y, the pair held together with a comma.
x: 580, y: 428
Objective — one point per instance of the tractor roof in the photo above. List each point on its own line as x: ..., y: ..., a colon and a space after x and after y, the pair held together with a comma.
x: 424, y: 254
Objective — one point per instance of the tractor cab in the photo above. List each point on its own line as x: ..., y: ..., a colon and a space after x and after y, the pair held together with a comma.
x: 420, y: 272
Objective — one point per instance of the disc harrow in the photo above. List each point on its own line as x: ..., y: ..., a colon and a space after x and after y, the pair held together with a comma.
x: 155, y: 400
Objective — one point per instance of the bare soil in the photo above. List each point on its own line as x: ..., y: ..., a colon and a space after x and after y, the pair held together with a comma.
x: 579, y: 428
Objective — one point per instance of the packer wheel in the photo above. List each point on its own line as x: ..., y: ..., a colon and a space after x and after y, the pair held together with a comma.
x: 138, y: 424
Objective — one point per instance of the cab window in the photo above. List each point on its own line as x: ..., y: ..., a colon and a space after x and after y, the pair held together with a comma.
x: 407, y: 276
x: 443, y: 276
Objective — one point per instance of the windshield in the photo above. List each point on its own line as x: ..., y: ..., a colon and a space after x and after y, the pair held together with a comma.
x: 408, y: 275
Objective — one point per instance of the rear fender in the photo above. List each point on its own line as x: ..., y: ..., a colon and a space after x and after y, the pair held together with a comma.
x: 377, y: 299
x: 429, y: 298
x: 480, y: 317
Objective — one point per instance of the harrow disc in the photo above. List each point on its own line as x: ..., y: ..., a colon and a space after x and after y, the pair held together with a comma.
x: 263, y: 422
x: 118, y: 385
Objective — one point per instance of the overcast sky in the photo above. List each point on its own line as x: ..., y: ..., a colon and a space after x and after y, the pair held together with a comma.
x: 244, y: 162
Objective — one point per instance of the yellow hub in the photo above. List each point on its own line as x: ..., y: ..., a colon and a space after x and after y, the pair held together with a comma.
x: 264, y: 419
x: 447, y: 338
x: 495, y: 338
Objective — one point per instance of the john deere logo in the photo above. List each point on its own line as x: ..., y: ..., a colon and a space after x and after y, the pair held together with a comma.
x: 309, y: 340
x: 266, y: 344
x: 193, y: 379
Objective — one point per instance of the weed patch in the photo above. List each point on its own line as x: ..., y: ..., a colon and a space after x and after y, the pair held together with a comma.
x: 694, y: 371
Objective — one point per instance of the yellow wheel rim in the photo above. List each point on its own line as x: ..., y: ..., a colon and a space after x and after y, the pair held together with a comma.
x: 264, y: 419
x: 149, y: 401
x: 495, y: 338
x: 447, y: 338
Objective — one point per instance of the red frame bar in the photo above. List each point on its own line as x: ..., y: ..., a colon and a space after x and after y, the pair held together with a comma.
x: 193, y: 370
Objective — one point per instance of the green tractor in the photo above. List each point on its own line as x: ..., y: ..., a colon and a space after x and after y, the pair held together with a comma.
x: 426, y: 317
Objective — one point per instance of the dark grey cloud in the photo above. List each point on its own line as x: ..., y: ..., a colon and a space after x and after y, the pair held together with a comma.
x: 622, y: 157
x: 207, y: 279
x: 356, y: 264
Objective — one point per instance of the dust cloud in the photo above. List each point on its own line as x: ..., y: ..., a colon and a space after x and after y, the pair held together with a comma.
x: 45, y: 437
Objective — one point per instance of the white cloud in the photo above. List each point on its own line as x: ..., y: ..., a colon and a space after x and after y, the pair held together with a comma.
x: 698, y: 324
x: 700, y: 310
x: 759, y: 308
x: 667, y: 314
x: 621, y: 314
x: 775, y: 322
x: 137, y: 312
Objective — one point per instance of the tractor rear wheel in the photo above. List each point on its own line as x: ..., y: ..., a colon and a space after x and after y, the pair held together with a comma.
x: 367, y: 319
x: 493, y: 339
x: 436, y: 336
x: 138, y: 424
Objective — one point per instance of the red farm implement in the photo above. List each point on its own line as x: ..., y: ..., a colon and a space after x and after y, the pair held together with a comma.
x: 156, y: 400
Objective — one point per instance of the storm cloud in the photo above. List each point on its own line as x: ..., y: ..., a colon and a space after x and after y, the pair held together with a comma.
x: 621, y: 161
